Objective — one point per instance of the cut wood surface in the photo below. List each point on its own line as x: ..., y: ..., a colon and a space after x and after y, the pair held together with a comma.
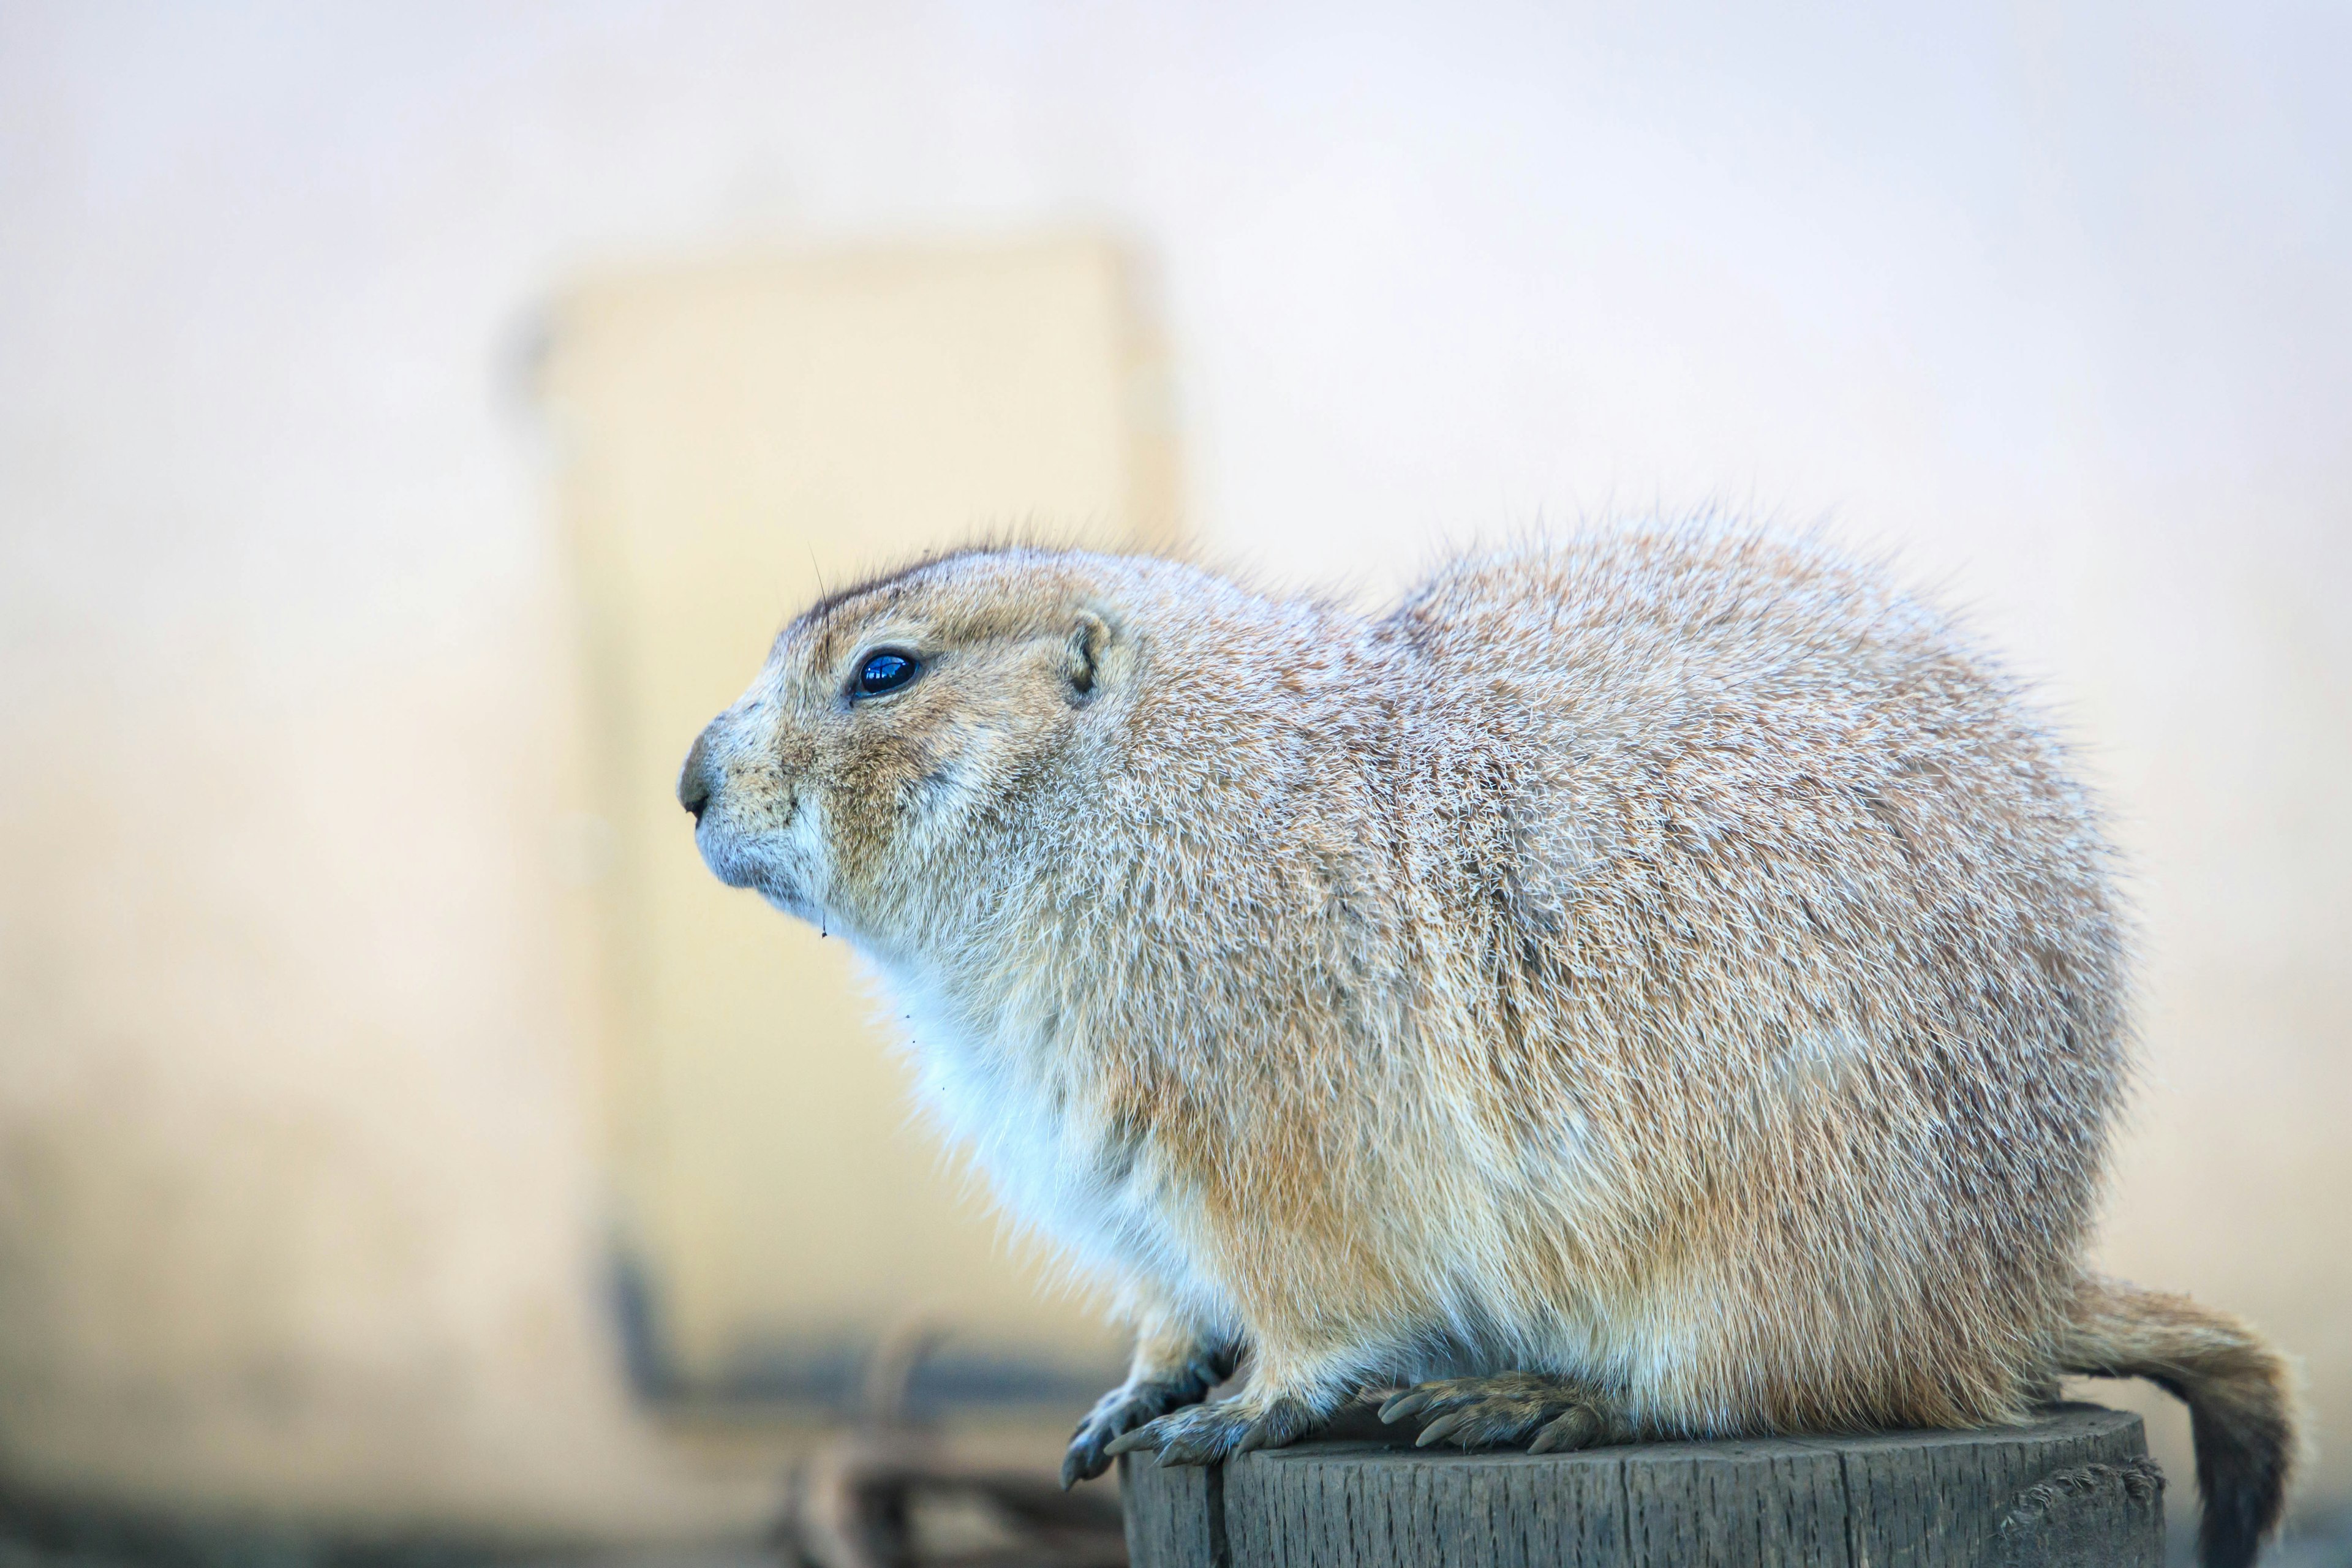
x: 2076, y: 1487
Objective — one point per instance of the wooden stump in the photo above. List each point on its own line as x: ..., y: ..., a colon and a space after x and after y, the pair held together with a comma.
x: 2075, y: 1488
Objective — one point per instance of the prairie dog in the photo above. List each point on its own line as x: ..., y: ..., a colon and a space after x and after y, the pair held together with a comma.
x: 1659, y: 983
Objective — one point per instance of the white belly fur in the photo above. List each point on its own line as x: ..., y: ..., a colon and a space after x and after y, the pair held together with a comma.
x: 1016, y: 1113
x: 1112, y: 1215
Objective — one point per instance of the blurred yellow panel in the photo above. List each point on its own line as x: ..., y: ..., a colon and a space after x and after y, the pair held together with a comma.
x: 732, y: 440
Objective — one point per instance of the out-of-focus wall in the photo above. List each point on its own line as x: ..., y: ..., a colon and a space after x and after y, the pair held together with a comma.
x: 298, y: 1195
x: 734, y: 441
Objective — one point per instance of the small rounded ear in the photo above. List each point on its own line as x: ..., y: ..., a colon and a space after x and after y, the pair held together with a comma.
x: 1089, y: 635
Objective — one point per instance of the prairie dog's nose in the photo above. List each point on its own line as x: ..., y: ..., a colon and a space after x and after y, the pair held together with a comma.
x: 696, y: 780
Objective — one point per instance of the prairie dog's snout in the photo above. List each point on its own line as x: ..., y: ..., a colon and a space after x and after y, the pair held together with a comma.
x: 696, y: 780
x: 737, y: 785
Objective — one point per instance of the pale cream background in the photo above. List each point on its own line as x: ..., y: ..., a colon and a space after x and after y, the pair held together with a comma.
x: 300, y: 1188
x: 734, y: 440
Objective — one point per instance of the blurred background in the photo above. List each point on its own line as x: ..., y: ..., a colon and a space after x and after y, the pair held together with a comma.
x: 415, y: 420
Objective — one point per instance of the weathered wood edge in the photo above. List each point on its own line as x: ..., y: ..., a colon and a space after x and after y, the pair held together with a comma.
x: 2074, y: 1487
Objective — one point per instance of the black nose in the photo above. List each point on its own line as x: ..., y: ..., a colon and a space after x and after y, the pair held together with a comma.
x: 694, y: 780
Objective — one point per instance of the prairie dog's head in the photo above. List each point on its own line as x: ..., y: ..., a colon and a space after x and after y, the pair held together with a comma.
x: 892, y: 720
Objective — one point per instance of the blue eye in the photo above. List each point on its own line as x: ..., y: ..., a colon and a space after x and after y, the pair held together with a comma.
x: 884, y: 672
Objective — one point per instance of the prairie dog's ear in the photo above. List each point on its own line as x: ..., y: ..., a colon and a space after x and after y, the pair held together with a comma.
x: 1089, y: 635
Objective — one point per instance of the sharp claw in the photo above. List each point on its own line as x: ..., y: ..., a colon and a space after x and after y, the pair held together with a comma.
x: 1445, y: 1427
x: 1128, y: 1442
x: 1177, y: 1451
x: 1263, y: 1433
x: 1083, y: 1465
x: 1399, y: 1405
x: 1573, y: 1430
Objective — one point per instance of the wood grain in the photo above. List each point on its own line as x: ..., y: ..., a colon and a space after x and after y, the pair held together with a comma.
x: 2073, y: 1487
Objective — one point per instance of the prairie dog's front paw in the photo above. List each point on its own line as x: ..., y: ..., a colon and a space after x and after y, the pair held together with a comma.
x: 1134, y: 1403
x: 1205, y: 1434
x: 1115, y: 1414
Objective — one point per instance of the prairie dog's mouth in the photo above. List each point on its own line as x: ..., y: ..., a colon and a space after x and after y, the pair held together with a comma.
x: 792, y: 901
x: 767, y: 864
x: 731, y: 860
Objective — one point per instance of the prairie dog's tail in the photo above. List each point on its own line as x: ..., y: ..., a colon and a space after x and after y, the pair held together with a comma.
x: 2238, y: 1390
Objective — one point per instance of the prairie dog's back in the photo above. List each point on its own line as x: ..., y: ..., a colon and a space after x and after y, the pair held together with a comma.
x: 1786, y: 901
x: 1633, y: 636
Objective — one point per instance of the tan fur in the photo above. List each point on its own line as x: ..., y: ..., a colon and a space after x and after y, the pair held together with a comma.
x: 1672, y: 963
x: 2238, y: 1391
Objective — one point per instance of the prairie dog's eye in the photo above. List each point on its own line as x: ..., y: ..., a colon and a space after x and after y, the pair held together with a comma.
x: 885, y: 671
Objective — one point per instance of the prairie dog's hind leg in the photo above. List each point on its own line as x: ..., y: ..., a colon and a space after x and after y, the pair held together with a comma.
x: 1174, y: 1365
x: 1548, y: 1414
